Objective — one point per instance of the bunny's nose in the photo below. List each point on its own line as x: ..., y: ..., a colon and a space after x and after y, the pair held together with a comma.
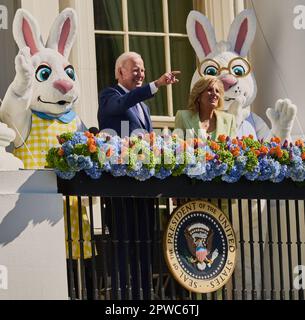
x: 228, y: 82
x: 63, y: 86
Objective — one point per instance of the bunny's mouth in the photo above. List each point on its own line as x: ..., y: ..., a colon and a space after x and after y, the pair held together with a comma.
x: 61, y: 102
x: 229, y: 99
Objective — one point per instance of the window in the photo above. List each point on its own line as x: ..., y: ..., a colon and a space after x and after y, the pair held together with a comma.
x: 156, y: 30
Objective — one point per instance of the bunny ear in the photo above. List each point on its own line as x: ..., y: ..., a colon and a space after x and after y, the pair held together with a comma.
x: 201, y: 34
x: 26, y: 31
x: 242, y: 32
x: 63, y: 32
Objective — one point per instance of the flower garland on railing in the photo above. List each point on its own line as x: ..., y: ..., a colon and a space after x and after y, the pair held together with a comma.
x: 143, y: 157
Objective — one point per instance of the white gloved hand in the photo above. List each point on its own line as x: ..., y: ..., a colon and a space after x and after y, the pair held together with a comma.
x: 24, y: 72
x: 282, y: 118
x: 236, y: 108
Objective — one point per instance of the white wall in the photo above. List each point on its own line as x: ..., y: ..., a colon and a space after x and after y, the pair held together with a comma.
x: 277, y: 56
x: 8, y: 48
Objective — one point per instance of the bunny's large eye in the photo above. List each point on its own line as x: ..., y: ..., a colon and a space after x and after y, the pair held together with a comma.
x: 239, y: 67
x: 210, y: 71
x: 239, y: 71
x: 70, y: 72
x: 43, y: 73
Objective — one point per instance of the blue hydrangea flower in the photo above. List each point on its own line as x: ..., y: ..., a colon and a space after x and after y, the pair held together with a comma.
x: 269, y: 169
x: 119, y: 170
x: 233, y: 176
x: 67, y: 175
x: 282, y: 174
x: 142, y: 174
x: 72, y: 161
x: 297, y: 172
x: 163, y: 173
x: 84, y: 162
x: 78, y: 138
x: 196, y: 170
x: 94, y: 172
x: 214, y: 169
x: 67, y: 147
x: 253, y: 175
x: 241, y: 162
x: 295, y: 151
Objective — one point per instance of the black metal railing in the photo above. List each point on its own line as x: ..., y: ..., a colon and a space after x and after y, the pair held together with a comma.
x: 127, y: 219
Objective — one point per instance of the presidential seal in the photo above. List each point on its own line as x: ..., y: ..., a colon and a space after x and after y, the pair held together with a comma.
x: 200, y: 246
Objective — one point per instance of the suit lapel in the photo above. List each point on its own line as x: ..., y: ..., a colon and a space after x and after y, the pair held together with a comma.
x: 193, y: 122
x: 133, y: 110
x: 118, y: 88
x: 135, y: 113
x: 221, y: 125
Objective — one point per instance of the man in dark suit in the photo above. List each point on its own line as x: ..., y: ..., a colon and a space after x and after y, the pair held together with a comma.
x: 130, y: 221
x: 121, y: 108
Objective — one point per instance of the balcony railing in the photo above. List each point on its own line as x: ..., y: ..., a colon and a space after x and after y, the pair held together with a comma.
x: 128, y: 218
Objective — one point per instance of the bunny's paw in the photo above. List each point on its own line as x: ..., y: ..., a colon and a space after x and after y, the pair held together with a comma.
x: 24, y: 71
x: 282, y: 118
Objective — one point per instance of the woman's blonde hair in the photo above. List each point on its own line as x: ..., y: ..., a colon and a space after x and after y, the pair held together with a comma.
x: 199, y: 87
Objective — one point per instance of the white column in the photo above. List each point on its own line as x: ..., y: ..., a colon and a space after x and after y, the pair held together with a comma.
x: 221, y: 13
x: 44, y: 11
x: 83, y: 59
x: 277, y: 57
x: 32, y: 237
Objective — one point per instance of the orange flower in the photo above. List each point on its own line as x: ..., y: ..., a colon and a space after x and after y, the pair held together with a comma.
x: 251, y: 136
x: 222, y: 138
x: 92, y: 148
x: 257, y: 153
x: 109, y: 153
x: 263, y: 150
x: 88, y: 134
x: 90, y: 141
x: 303, y: 155
x: 235, y: 152
x: 214, y: 146
x: 208, y: 156
x: 276, y: 139
x: 299, y: 143
x: 61, y: 152
x: 234, y: 141
x: 152, y: 136
x: 277, y: 151
x: 242, y: 145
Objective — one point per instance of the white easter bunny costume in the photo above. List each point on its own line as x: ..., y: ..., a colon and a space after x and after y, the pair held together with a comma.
x: 226, y: 59
x: 39, y: 103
